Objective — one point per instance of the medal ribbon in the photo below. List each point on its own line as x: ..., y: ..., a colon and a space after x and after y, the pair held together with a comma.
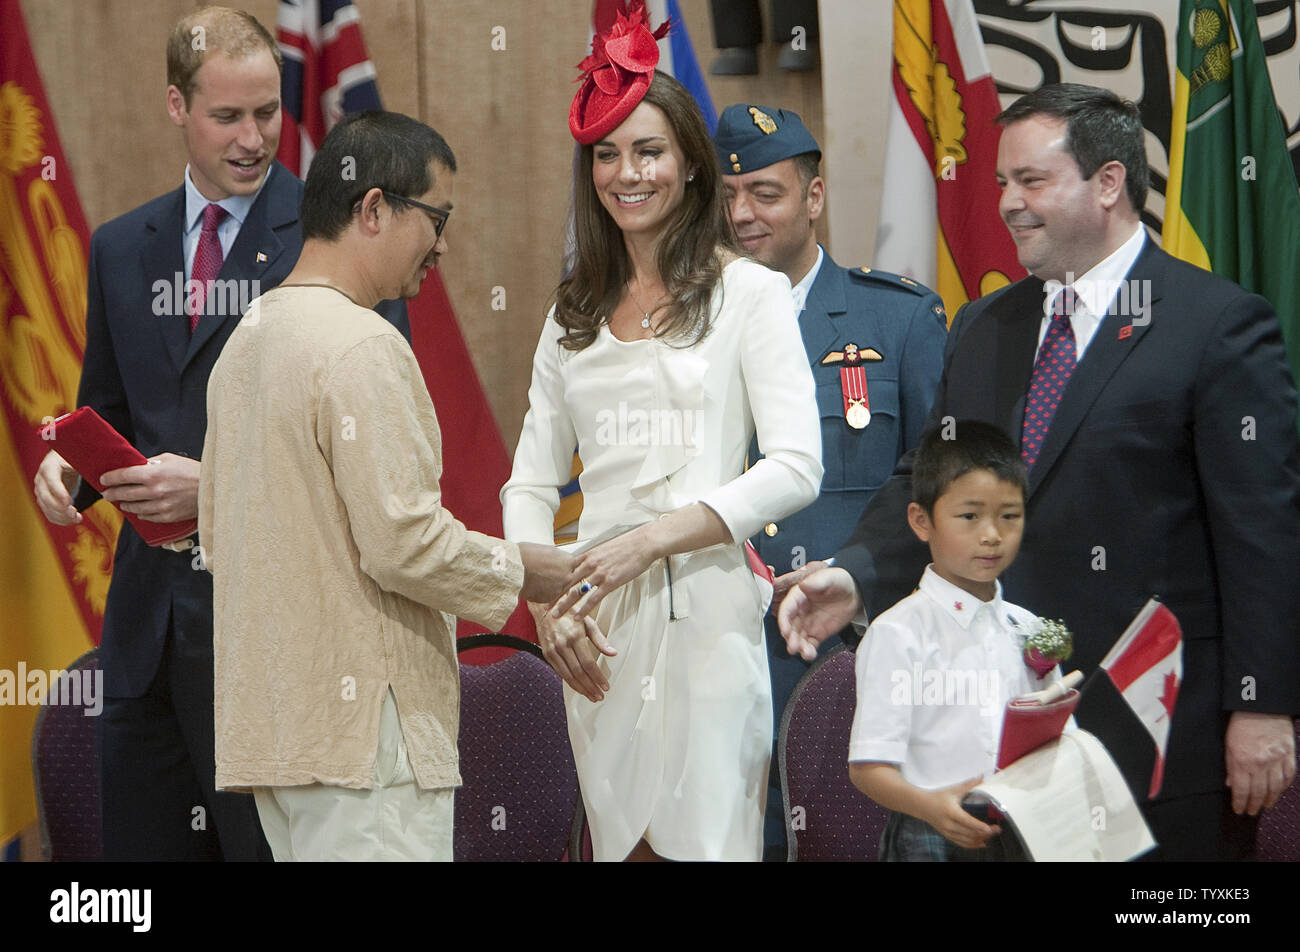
x: 853, y: 384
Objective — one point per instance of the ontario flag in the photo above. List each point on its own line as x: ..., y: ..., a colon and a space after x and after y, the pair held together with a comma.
x: 327, y: 74
x: 939, y: 221
x: 1146, y: 667
x: 53, y: 579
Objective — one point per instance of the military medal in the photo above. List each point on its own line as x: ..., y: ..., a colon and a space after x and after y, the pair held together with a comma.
x: 853, y: 383
x: 856, y: 410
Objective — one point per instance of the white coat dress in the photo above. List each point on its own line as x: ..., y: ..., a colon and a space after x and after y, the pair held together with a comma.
x: 678, y: 750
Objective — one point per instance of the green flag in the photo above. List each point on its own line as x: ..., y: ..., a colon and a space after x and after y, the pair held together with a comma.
x: 1233, y: 206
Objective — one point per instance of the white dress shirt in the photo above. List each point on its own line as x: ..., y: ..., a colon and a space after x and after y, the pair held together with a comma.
x: 1096, y: 290
x: 800, y: 291
x: 934, y: 674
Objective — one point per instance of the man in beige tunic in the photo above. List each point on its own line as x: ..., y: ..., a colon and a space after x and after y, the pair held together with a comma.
x: 336, y: 570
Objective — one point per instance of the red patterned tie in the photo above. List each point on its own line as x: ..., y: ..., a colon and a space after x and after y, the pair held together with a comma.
x: 1056, y: 360
x: 207, y: 260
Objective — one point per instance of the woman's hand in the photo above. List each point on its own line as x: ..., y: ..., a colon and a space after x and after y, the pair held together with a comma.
x: 570, y: 646
x: 604, y: 568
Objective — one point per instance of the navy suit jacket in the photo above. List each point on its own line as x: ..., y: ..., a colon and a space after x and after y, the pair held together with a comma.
x: 904, y: 322
x: 1171, y: 468
x: 147, y: 376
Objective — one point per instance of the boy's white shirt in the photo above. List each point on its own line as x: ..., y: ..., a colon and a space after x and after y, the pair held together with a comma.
x: 940, y: 645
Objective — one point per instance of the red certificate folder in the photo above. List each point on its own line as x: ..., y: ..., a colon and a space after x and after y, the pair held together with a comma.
x: 1029, y: 724
x: 93, y: 448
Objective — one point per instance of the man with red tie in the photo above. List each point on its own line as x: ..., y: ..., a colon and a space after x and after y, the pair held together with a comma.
x: 1157, y: 416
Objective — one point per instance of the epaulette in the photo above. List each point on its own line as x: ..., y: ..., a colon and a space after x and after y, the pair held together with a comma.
x: 868, y: 275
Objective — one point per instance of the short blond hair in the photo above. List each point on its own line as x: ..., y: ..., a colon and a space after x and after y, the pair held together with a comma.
x: 222, y: 29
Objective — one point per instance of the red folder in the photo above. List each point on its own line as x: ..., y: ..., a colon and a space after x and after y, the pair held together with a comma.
x: 92, y: 447
x: 1029, y: 724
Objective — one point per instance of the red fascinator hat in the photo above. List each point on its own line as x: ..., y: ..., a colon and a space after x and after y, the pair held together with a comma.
x: 616, y: 74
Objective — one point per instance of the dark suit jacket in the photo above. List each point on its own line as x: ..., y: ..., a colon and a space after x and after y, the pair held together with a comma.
x: 1171, y: 469
x: 146, y: 375
x: 904, y: 322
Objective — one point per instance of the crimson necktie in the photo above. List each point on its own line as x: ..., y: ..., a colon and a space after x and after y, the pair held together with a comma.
x: 207, y: 261
x: 1052, y: 370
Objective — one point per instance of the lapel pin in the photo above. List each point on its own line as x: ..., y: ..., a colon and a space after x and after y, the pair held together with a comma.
x: 261, y: 256
x: 1126, y: 332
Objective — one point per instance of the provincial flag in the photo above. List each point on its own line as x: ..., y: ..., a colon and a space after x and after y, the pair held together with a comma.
x: 1232, y: 205
x: 53, y: 580
x: 328, y: 74
x: 1146, y: 666
x: 939, y: 221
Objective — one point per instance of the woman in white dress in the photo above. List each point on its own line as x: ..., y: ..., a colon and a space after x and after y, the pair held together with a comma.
x: 664, y: 353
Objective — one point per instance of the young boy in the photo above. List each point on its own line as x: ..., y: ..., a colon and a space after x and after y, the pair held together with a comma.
x: 934, y: 672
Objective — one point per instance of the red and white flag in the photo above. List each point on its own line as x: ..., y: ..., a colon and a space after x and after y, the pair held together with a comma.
x: 939, y: 221
x: 1146, y: 666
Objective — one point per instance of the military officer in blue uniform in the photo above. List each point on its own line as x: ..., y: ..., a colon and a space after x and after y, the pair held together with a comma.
x: 875, y: 343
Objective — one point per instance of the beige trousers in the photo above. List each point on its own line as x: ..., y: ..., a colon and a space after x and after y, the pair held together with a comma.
x: 393, y: 822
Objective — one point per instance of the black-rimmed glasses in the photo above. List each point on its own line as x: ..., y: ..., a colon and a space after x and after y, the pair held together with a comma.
x: 439, y: 215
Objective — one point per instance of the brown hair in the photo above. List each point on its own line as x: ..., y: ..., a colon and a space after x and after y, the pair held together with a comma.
x: 688, y: 251
x: 210, y: 29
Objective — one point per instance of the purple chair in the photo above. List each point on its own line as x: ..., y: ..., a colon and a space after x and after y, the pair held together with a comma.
x: 65, y: 764
x: 1279, y: 826
x: 827, y: 819
x: 520, y: 800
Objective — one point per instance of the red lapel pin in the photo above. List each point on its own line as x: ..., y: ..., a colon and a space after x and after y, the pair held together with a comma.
x: 1126, y: 332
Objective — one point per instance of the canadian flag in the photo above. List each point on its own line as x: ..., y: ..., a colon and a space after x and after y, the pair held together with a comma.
x: 1146, y: 666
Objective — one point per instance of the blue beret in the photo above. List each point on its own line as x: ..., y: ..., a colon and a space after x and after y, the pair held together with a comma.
x: 753, y: 137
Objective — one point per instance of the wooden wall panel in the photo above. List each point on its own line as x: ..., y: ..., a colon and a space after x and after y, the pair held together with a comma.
x: 505, y: 113
x: 104, y: 66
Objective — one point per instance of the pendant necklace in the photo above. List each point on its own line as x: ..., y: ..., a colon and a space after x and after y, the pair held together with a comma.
x: 645, y: 320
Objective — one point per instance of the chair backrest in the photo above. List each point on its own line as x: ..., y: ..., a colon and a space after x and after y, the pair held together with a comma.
x: 1279, y: 826
x: 65, y: 765
x: 826, y: 817
x: 520, y: 785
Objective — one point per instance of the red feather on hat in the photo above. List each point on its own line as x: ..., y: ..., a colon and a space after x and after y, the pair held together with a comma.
x: 616, y: 74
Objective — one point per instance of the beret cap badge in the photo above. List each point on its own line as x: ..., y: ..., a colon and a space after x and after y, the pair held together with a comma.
x: 762, y: 120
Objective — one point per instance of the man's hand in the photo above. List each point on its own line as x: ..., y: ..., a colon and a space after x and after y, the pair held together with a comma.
x: 781, y: 587
x: 545, y: 569
x: 54, y: 483
x: 164, y: 489
x: 944, y: 812
x: 1259, y: 750
x: 817, y: 608
x: 569, y: 645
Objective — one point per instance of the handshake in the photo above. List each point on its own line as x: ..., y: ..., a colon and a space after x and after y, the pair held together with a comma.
x: 546, y: 572
x: 563, y: 592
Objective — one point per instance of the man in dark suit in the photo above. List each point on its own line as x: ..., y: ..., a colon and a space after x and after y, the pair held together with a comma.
x: 1162, y: 461
x: 874, y: 342
x: 167, y: 283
